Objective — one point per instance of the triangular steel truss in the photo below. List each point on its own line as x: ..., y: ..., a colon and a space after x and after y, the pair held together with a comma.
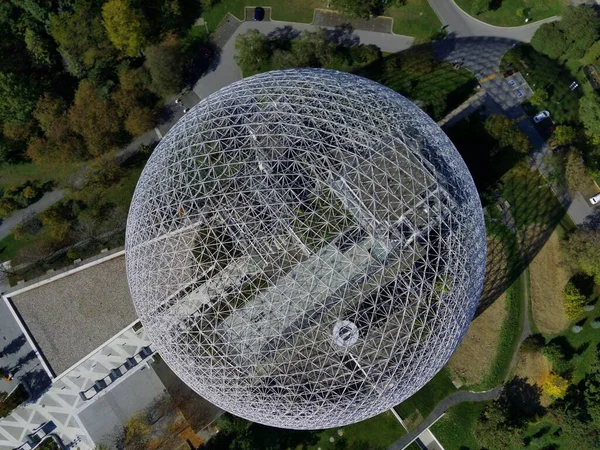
x: 306, y: 248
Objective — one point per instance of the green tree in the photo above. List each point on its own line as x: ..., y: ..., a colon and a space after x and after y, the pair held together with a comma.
x: 94, y: 118
x: 39, y: 47
x: 504, y: 130
x: 574, y: 301
x: 582, y: 251
x: 253, y: 51
x: 59, y: 219
x: 539, y: 98
x: 480, y: 6
x: 18, y: 96
x: 550, y: 40
x: 556, y: 355
x: 564, y: 135
x: 589, y: 113
x: 575, y: 173
x: 592, y: 393
x: 126, y: 26
x: 165, y: 65
x: 580, y: 27
x: 494, y: 432
x: 360, y: 8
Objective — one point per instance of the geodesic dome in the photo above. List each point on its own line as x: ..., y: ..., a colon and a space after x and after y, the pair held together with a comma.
x: 305, y: 248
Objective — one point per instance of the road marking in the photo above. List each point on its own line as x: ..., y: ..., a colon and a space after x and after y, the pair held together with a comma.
x: 488, y: 78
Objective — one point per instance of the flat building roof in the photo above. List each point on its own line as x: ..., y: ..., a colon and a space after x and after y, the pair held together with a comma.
x: 72, y: 314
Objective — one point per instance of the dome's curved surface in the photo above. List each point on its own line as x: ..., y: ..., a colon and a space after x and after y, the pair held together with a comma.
x: 305, y: 248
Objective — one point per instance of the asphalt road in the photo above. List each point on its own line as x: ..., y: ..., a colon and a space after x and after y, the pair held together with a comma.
x: 227, y: 71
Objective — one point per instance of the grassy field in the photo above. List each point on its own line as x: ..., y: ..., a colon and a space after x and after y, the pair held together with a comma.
x: 548, y: 280
x: 542, y: 72
x: 375, y: 433
x: 416, y: 408
x: 416, y: 74
x: 506, y: 14
x: 472, y: 360
x: 16, y: 174
x: 288, y: 11
x: 455, y: 429
x: 414, y: 18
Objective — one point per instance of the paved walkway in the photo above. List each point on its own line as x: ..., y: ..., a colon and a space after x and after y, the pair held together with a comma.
x: 441, y: 407
x: 61, y: 403
x: 47, y: 200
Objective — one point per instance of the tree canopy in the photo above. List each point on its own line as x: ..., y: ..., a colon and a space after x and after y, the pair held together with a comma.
x: 125, y: 26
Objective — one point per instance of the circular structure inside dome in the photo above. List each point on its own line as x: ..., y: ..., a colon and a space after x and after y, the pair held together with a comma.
x: 305, y: 248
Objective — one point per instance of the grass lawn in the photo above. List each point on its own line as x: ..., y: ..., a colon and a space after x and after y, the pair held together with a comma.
x: 17, y: 174
x: 288, y: 11
x: 416, y: 74
x: 584, y: 343
x: 455, y: 429
x: 416, y: 408
x: 532, y: 201
x: 414, y: 18
x: 9, y: 246
x: 542, y: 72
x: 506, y: 14
x: 375, y: 433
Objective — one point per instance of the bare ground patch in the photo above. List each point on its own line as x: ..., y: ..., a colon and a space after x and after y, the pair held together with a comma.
x: 548, y: 279
x: 478, y: 349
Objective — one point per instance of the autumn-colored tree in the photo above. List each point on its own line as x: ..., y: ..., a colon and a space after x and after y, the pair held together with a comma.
x: 81, y: 36
x: 48, y: 110
x: 555, y: 386
x: 94, y: 118
x: 575, y: 173
x: 18, y: 131
x: 582, y: 251
x: 59, y: 219
x: 125, y: 25
x: 140, y: 120
x: 134, y: 79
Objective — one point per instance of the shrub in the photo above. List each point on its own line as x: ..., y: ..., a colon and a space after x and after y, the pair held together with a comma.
x: 556, y: 355
x: 595, y: 324
x: 574, y: 301
x: 555, y: 386
x: 576, y: 329
x: 533, y: 343
x: 588, y: 308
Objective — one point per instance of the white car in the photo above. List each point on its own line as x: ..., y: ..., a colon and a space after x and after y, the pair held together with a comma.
x: 595, y: 199
x: 541, y: 116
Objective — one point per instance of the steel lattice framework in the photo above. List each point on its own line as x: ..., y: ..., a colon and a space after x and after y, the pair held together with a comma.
x: 305, y: 248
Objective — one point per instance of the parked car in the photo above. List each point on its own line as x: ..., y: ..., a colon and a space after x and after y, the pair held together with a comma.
x: 541, y: 116
x: 510, y: 72
x: 259, y: 13
x: 595, y: 199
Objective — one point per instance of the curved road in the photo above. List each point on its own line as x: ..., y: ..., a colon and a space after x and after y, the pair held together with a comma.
x: 461, y: 24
